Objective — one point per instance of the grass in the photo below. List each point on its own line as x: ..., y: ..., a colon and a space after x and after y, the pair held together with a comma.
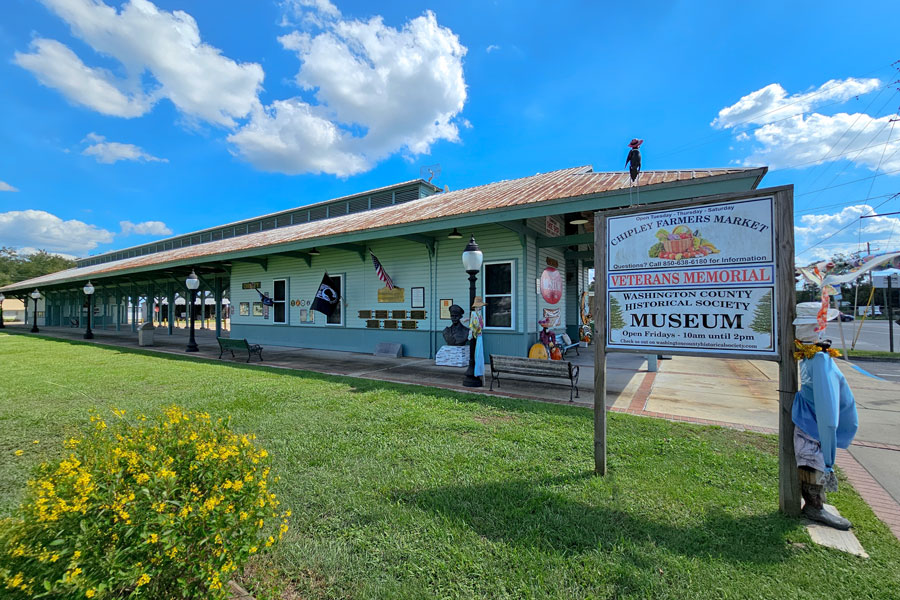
x: 874, y: 354
x: 410, y: 492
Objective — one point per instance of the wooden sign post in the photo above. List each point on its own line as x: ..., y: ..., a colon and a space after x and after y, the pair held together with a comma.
x: 711, y: 276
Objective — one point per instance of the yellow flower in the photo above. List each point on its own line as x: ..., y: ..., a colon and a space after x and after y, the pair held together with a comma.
x: 152, y: 538
x: 36, y: 442
x: 76, y: 554
x: 20, y: 452
x: 143, y: 580
x: 142, y: 478
x: 90, y: 593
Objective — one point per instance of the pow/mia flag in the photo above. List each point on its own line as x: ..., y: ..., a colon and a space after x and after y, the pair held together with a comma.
x: 327, y: 297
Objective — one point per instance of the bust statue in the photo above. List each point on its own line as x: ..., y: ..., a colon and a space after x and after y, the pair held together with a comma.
x: 456, y: 334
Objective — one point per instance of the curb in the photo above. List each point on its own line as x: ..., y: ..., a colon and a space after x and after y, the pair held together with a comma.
x: 889, y: 359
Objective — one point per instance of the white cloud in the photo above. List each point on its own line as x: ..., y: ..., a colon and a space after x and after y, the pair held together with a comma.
x: 378, y: 90
x: 111, y: 152
x: 806, y: 141
x: 772, y: 103
x: 145, y: 228
x: 195, y: 76
x: 491, y: 48
x: 843, y: 231
x: 784, y: 139
x: 27, y: 250
x: 5, y: 187
x: 56, y: 66
x: 40, y: 229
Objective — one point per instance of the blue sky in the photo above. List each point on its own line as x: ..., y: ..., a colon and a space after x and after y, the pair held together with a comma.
x: 124, y: 121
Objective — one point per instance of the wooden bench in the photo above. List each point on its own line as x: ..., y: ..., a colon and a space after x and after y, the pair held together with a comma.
x: 534, y: 367
x: 230, y: 345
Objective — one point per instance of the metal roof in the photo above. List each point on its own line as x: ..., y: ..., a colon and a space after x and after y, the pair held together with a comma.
x: 542, y: 187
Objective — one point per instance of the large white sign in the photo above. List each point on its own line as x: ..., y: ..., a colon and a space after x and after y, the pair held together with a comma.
x: 700, y: 279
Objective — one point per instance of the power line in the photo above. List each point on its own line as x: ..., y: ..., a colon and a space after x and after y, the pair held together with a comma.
x: 846, y: 183
x: 847, y: 203
x: 842, y: 228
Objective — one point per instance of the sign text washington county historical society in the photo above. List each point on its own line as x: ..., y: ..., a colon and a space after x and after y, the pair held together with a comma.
x: 699, y: 279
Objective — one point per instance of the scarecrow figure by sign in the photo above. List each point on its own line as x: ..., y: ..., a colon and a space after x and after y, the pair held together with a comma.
x: 824, y: 413
x: 476, y: 328
x: 548, y: 339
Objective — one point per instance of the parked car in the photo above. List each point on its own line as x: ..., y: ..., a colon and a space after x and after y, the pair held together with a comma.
x: 845, y: 317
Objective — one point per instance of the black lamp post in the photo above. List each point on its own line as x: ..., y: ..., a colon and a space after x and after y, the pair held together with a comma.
x: 192, y: 283
x: 35, y: 295
x: 89, y: 292
x: 2, y: 298
x: 472, y: 259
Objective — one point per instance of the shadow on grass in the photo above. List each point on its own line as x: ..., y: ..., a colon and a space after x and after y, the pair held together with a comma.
x: 528, y: 513
x: 355, y: 384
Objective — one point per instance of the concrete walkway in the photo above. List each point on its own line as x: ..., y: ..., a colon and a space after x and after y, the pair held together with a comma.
x: 732, y: 393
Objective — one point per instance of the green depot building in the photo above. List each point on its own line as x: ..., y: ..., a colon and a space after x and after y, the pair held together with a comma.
x: 418, y: 232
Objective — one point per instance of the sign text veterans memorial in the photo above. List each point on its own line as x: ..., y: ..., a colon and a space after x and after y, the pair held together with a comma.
x: 698, y: 279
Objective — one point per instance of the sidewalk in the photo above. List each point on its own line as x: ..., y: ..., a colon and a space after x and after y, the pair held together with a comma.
x: 739, y: 394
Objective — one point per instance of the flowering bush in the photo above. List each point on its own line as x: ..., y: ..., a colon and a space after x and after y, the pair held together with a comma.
x: 164, y: 508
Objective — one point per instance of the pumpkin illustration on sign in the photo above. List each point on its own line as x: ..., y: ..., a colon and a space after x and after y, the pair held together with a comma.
x: 551, y: 285
x: 681, y: 243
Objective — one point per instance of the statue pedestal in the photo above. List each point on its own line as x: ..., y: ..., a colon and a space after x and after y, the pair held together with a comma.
x: 452, y: 356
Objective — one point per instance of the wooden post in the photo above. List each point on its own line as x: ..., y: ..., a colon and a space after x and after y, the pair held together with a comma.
x: 170, y: 311
x: 599, y: 345
x: 788, y: 483
x: 217, y: 296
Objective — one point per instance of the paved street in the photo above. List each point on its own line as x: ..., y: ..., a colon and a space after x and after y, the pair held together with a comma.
x: 873, y: 335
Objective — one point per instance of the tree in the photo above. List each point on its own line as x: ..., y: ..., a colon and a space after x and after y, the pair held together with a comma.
x: 762, y: 316
x: 15, y: 267
x: 615, y: 315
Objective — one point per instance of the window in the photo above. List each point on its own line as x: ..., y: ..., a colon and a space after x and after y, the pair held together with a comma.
x: 278, y: 297
x: 337, y: 317
x: 498, y: 295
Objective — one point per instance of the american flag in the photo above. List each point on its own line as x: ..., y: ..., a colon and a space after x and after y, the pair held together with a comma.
x: 382, y: 274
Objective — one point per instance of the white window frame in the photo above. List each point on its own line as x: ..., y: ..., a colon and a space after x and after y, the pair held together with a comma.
x: 340, y: 302
x: 284, y: 302
x: 512, y: 292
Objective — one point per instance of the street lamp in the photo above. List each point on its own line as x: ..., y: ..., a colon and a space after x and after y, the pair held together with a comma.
x: 2, y: 298
x: 89, y: 292
x: 35, y: 296
x: 192, y: 283
x: 472, y: 259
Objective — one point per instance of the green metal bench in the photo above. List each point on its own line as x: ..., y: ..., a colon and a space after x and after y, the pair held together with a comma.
x: 230, y: 345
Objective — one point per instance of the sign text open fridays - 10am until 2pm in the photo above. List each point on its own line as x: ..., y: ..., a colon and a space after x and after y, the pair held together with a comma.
x: 698, y: 279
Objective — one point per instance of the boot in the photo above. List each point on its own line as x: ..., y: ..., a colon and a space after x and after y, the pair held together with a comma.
x: 814, y: 507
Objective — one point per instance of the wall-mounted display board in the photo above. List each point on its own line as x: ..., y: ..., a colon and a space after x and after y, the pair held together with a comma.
x: 381, y: 314
x: 373, y: 324
x: 418, y: 297
x: 365, y: 314
x: 390, y: 324
x: 409, y: 324
x: 446, y: 303
x: 711, y: 276
x: 251, y: 285
x: 398, y: 314
x: 417, y: 314
x: 257, y: 309
x: 391, y: 295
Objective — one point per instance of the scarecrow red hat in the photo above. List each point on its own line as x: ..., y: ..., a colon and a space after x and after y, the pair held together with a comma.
x: 635, y: 143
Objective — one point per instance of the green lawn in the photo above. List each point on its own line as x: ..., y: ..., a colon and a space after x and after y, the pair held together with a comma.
x: 409, y: 492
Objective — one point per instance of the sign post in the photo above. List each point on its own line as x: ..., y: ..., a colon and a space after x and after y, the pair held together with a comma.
x: 710, y: 276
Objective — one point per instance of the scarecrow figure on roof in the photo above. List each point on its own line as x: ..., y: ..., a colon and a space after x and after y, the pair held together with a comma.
x: 634, y: 159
